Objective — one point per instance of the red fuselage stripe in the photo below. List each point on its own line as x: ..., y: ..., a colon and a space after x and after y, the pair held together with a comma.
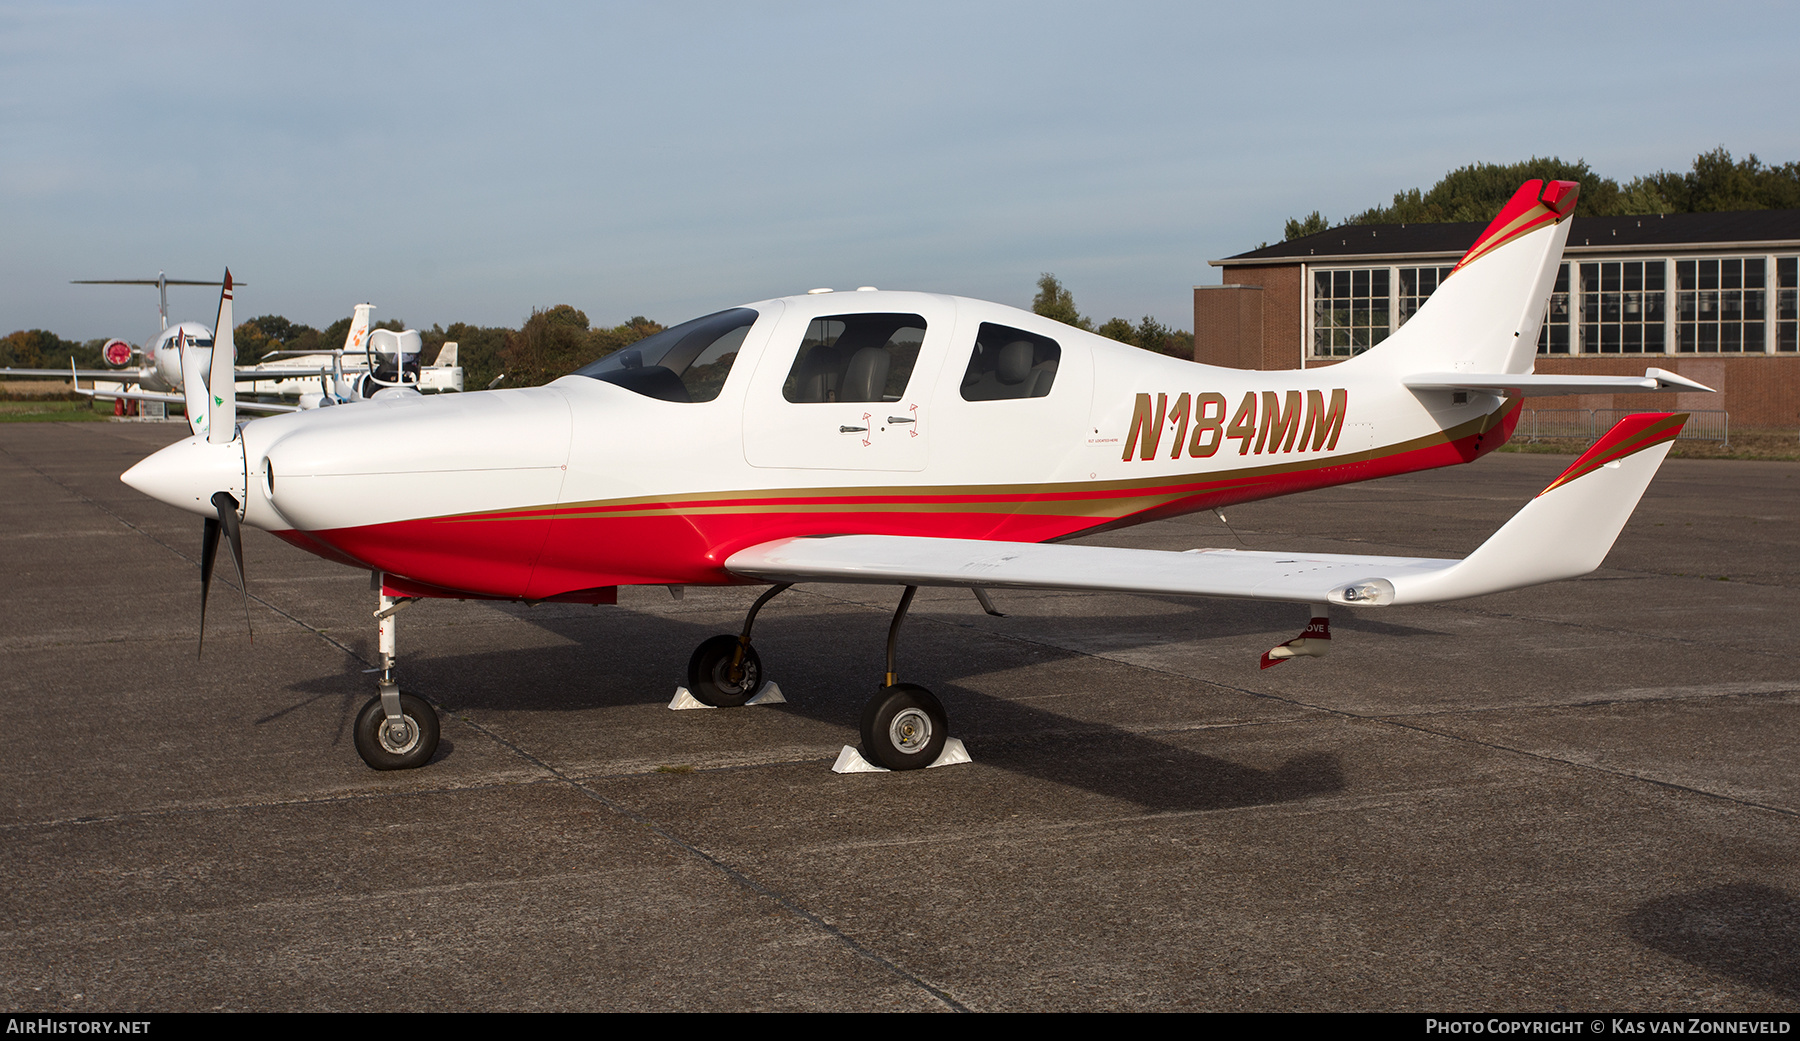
x: 551, y: 551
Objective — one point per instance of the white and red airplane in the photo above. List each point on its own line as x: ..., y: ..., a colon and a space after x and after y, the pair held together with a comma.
x: 915, y: 439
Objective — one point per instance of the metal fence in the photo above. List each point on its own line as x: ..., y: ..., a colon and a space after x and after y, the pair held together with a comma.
x: 1589, y: 423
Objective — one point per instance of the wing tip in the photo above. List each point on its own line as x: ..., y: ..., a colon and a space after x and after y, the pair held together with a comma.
x: 1629, y: 436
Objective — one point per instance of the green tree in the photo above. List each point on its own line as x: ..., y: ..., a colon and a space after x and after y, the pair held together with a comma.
x: 1058, y: 304
x: 1717, y: 183
x: 602, y: 342
x: 551, y: 343
x: 1475, y: 193
x: 1151, y: 335
x: 272, y: 332
x: 1309, y: 225
x: 1118, y: 329
x: 35, y: 349
x: 478, y: 350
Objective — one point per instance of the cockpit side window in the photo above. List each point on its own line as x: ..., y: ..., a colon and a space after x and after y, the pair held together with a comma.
x: 855, y: 357
x: 685, y: 363
x: 1010, y: 363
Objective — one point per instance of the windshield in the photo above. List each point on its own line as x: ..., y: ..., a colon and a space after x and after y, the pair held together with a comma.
x: 687, y: 362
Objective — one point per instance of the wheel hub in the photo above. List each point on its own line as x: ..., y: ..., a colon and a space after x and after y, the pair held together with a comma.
x: 398, y: 735
x: 910, y: 731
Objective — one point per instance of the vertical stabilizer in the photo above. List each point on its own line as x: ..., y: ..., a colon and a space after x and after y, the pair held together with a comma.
x: 358, y: 336
x: 1485, y: 316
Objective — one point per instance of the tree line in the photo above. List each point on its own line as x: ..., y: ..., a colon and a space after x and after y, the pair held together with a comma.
x: 1055, y: 301
x: 552, y: 341
x: 1475, y: 193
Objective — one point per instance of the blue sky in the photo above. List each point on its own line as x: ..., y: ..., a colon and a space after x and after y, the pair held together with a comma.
x: 470, y: 162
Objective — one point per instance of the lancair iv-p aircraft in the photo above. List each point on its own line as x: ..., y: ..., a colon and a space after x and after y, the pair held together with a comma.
x: 914, y: 439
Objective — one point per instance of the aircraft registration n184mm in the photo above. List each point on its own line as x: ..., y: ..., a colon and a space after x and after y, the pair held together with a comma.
x: 913, y: 439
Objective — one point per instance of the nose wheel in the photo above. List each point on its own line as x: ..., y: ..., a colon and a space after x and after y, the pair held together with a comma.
x: 397, y: 743
x: 394, y: 731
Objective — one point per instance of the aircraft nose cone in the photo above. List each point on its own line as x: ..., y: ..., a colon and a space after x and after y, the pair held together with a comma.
x: 187, y: 473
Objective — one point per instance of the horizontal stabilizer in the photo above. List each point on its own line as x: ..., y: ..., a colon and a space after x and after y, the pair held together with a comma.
x: 1563, y: 533
x: 1529, y: 384
x: 177, y: 399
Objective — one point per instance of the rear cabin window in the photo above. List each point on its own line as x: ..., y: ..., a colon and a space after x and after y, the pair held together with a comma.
x: 685, y: 363
x: 855, y: 357
x: 1010, y: 363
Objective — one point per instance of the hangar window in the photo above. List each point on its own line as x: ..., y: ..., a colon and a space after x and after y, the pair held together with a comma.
x: 1354, y: 309
x: 1010, y: 363
x: 1350, y: 310
x: 685, y: 363
x: 1554, y: 333
x: 1623, y: 307
x: 1416, y: 286
x: 1787, y: 308
x: 1719, y: 305
x: 855, y: 357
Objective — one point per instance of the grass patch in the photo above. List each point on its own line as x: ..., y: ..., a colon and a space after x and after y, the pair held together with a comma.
x: 683, y: 769
x: 41, y: 410
x: 1781, y: 445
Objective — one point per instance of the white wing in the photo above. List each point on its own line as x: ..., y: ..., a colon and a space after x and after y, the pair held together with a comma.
x: 1564, y: 532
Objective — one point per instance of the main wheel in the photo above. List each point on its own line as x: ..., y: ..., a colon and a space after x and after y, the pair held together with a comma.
x: 398, y: 746
x: 712, y: 679
x: 904, y: 727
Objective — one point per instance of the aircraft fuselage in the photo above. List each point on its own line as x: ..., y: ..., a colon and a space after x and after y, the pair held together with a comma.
x: 566, y: 490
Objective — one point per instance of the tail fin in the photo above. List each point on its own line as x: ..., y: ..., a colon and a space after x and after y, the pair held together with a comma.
x: 359, y: 329
x: 446, y: 358
x: 1485, y: 315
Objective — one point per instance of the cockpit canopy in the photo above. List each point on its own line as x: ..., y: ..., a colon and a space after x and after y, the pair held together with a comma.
x: 685, y: 363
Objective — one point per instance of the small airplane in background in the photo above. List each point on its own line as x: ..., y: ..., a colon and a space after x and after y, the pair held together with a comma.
x: 913, y: 439
x: 391, y: 363
x: 391, y: 366
x: 157, y: 372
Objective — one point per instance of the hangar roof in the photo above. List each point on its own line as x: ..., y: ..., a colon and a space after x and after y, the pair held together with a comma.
x: 1737, y: 231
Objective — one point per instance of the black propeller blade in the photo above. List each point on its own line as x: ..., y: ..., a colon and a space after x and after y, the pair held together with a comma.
x: 226, y: 505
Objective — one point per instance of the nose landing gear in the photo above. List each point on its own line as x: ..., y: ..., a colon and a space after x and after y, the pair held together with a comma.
x: 394, y: 731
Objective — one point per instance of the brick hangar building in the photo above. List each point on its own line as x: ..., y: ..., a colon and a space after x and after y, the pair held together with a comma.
x: 1711, y: 296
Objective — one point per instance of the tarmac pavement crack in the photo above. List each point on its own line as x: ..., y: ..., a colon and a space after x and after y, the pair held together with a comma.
x: 1405, y: 724
x: 1394, y: 721
x: 737, y: 877
x: 734, y: 875
x: 103, y: 508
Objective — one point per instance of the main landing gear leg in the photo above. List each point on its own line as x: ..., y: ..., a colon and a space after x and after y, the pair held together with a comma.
x: 725, y: 671
x: 394, y: 731
x: 903, y: 725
